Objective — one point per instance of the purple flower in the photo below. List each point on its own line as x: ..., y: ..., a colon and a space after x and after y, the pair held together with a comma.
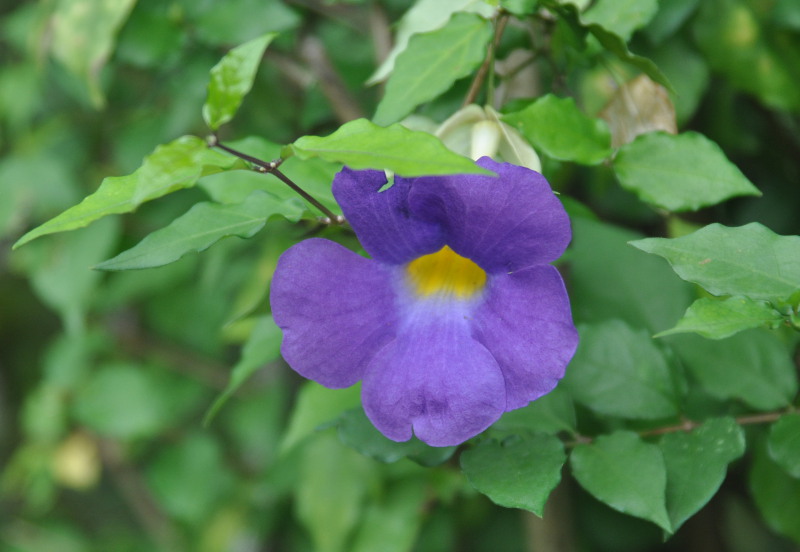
x: 456, y: 319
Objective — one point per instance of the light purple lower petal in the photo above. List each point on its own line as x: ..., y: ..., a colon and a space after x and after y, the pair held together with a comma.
x: 435, y: 378
x: 336, y: 310
x: 526, y: 324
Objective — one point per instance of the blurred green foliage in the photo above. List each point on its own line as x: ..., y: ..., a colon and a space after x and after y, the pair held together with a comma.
x: 106, y: 377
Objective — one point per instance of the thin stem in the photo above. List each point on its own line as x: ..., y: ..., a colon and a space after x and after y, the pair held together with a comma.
x: 689, y: 425
x: 271, y: 167
x: 487, y: 67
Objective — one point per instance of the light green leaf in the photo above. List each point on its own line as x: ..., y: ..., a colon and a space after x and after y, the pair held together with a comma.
x: 263, y: 346
x: 558, y: 128
x: 776, y: 494
x: 754, y: 366
x: 82, y: 38
x: 355, y: 430
x: 619, y: 371
x: 621, y: 17
x: 748, y: 260
x: 231, y: 80
x: 717, y: 319
x: 361, y: 144
x: 169, y: 168
x: 332, y: 485
x: 519, y: 473
x: 681, y: 172
x: 696, y: 465
x: 784, y: 444
x: 425, y: 16
x: 626, y: 473
x: 317, y: 407
x: 202, y: 226
x: 391, y: 522
x: 431, y: 63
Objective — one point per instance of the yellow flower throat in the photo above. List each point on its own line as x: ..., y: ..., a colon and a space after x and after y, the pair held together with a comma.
x: 445, y: 273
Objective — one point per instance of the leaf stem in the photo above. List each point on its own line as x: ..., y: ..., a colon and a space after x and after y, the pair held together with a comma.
x: 487, y: 67
x: 689, y: 425
x: 271, y: 167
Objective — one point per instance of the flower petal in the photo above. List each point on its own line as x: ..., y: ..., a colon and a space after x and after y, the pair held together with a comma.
x: 526, y: 324
x: 336, y: 310
x: 382, y: 220
x: 504, y: 223
x: 436, y: 379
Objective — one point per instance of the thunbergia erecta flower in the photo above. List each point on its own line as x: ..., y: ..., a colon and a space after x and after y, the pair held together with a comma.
x: 456, y: 318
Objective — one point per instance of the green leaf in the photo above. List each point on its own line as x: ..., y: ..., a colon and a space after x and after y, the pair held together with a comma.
x: 361, y: 144
x: 519, y: 473
x: 425, y: 16
x: 696, y: 463
x: 231, y: 80
x: 202, y: 226
x: 392, y: 522
x: 82, y: 38
x: 619, y: 371
x: 626, y: 473
x: 754, y: 366
x: 748, y: 260
x: 122, y: 401
x: 355, y: 430
x: 753, y: 54
x: 317, y: 407
x: 611, y: 280
x: 621, y: 17
x: 179, y: 477
x: 332, y: 485
x: 431, y: 63
x: 784, y: 444
x: 558, y: 128
x: 169, y: 168
x: 263, y: 346
x: 670, y: 17
x: 552, y: 413
x: 776, y: 494
x: 718, y: 319
x: 681, y: 172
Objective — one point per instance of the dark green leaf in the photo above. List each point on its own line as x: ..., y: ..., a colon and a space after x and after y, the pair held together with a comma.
x: 621, y: 17
x: 784, y: 444
x: 355, y: 430
x: 431, y: 63
x: 552, y: 413
x: 679, y: 172
x: 556, y: 127
x: 263, y: 346
x: 697, y: 463
x: 519, y: 473
x: 361, y: 144
x: 202, y: 226
x: 392, y: 523
x: 169, y: 168
x: 231, y: 80
x: 754, y: 366
x: 776, y: 494
x: 721, y: 318
x: 626, y: 473
x: 669, y: 18
x: 748, y: 260
x: 611, y: 280
x: 619, y: 371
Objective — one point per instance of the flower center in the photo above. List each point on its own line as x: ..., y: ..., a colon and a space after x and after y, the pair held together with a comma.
x: 445, y: 273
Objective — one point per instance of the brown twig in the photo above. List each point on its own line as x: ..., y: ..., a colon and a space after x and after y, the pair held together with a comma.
x: 344, y: 106
x: 483, y: 70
